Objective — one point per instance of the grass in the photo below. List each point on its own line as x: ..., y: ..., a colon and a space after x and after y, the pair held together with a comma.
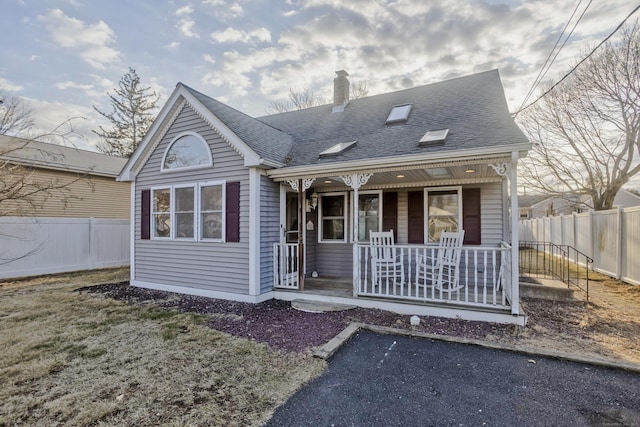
x: 71, y: 359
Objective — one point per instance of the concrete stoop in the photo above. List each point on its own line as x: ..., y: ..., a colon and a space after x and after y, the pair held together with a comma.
x: 319, y: 306
x: 547, y: 289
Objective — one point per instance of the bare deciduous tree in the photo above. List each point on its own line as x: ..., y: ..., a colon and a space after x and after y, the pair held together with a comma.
x: 131, y: 116
x: 303, y: 98
x: 16, y: 118
x: 585, y: 132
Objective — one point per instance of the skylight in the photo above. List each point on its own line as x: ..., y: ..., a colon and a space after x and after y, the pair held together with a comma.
x: 399, y: 113
x: 434, y: 136
x: 337, y: 149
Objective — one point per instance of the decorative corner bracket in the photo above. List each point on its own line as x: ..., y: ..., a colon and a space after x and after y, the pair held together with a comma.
x: 501, y: 169
x: 306, y: 183
x: 356, y: 181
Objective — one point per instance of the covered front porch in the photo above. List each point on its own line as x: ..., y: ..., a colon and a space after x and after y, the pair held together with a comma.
x: 327, y: 217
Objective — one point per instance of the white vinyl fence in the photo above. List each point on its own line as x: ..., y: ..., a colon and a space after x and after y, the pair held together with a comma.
x: 34, y: 246
x: 611, y: 238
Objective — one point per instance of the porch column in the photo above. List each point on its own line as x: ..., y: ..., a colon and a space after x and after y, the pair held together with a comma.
x: 511, y: 170
x: 355, y: 181
x: 301, y: 185
x: 515, y: 240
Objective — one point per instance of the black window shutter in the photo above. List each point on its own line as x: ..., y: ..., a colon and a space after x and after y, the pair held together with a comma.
x: 416, y: 217
x: 145, y: 215
x: 233, y: 212
x: 471, y: 216
x: 390, y: 213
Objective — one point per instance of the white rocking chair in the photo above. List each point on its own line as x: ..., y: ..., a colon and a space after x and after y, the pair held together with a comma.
x: 442, y: 271
x: 387, y: 266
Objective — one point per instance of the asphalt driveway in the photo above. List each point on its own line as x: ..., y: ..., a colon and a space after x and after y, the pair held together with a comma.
x: 387, y: 380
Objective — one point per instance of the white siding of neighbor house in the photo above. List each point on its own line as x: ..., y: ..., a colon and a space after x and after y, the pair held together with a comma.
x: 269, y: 230
x: 210, y: 266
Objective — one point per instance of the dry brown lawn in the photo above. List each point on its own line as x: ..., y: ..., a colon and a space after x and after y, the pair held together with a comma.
x: 71, y: 358
x: 606, y: 326
x: 67, y: 358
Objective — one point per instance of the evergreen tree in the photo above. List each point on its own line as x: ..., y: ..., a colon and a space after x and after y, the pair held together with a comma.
x: 131, y: 118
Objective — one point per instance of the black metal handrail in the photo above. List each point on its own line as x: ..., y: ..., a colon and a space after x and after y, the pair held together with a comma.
x: 547, y: 259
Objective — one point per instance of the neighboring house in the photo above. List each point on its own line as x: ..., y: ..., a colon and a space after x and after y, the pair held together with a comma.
x: 76, y: 218
x: 537, y: 206
x: 85, y: 181
x: 242, y: 208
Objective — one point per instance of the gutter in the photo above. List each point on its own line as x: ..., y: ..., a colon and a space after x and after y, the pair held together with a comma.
x: 391, y: 163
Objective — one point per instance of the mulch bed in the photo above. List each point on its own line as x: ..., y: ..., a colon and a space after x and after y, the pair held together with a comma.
x: 280, y: 326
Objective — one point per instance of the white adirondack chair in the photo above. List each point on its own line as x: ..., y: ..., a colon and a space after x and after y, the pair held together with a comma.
x: 442, y: 271
x: 387, y: 265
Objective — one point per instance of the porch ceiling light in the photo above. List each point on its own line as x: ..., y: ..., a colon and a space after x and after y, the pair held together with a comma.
x: 399, y: 176
x: 470, y: 170
x: 438, y: 172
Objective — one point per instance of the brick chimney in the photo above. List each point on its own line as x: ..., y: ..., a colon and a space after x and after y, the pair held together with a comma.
x: 340, y: 91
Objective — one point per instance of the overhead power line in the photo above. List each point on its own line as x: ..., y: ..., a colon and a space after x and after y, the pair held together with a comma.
x: 548, y: 62
x: 580, y: 62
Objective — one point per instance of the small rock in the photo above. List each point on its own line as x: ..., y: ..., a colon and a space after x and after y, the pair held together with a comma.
x: 415, y: 321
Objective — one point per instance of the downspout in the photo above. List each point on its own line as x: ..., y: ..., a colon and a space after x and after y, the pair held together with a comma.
x: 515, y: 269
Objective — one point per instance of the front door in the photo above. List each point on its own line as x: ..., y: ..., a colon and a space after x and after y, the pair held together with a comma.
x: 291, y: 218
x: 286, y: 256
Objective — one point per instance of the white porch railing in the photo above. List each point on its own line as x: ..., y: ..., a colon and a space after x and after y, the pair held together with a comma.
x: 483, y: 277
x: 285, y: 266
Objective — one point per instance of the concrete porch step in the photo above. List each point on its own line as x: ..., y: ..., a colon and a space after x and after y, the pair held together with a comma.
x: 547, y: 289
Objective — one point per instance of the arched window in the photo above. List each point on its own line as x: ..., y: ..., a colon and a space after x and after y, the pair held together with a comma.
x: 188, y: 150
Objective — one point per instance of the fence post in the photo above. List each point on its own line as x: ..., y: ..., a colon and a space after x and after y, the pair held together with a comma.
x: 92, y: 241
x: 592, y: 236
x: 619, y: 231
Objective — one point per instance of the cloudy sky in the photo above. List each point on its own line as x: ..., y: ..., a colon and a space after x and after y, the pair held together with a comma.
x: 64, y: 55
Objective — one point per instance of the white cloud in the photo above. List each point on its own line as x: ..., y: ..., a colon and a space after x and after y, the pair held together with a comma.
x: 72, y: 85
x: 92, y: 41
x: 186, y: 10
x: 236, y: 10
x: 65, y: 117
x: 208, y: 58
x: 225, y: 9
x: 186, y: 28
x: 10, y: 87
x: 173, y: 45
x: 231, y: 35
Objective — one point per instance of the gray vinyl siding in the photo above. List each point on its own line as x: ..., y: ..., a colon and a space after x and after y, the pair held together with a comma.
x: 491, y: 214
x: 335, y: 259
x: 269, y: 230
x: 211, y: 266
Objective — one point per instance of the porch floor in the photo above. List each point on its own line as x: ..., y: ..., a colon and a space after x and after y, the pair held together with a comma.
x: 329, y: 286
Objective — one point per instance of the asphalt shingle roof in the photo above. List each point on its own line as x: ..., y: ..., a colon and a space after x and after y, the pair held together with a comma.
x: 473, y: 108
x: 58, y: 157
x: 266, y: 141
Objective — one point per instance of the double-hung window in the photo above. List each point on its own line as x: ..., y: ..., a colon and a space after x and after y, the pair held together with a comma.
x: 444, y: 211
x: 369, y: 217
x: 185, y: 212
x: 333, y: 217
x: 161, y: 213
x: 192, y: 212
x: 211, y: 211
